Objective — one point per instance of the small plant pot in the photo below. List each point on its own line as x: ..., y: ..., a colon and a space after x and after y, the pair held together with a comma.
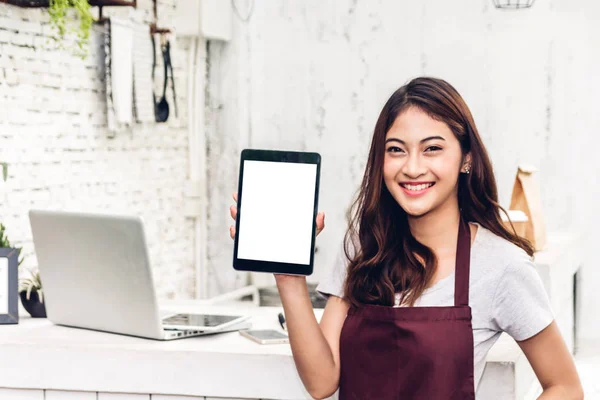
x: 34, y: 307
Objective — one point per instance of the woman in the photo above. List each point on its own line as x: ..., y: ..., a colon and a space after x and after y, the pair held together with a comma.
x: 428, y: 277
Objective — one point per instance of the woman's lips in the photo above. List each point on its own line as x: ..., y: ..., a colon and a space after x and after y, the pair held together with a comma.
x: 416, y: 192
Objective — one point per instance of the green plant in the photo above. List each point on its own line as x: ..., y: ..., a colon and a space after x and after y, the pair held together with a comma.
x: 58, y: 10
x: 32, y: 283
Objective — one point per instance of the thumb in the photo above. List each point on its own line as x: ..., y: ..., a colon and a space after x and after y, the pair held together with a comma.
x: 321, y: 220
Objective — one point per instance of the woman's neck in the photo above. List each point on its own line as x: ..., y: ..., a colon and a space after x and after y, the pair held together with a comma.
x: 438, y: 232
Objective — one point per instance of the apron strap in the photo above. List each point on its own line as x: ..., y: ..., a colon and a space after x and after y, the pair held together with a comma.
x: 463, y: 260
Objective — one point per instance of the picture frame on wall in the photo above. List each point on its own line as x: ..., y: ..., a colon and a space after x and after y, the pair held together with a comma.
x: 9, y: 286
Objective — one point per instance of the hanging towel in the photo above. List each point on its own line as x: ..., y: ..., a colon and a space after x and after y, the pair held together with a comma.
x: 119, y: 73
x: 143, y: 102
x: 121, y: 38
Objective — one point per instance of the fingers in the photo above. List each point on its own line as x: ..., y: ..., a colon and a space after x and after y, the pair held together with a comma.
x: 233, y: 213
x: 320, y: 221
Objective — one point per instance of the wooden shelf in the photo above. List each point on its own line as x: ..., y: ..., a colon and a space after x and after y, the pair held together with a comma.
x: 154, y: 29
x: 27, y: 3
x: 93, y: 3
x: 111, y: 3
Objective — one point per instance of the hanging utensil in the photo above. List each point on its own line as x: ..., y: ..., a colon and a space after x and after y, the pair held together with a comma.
x: 161, y: 108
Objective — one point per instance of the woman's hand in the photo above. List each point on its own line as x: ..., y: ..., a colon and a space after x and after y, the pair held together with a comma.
x: 233, y: 212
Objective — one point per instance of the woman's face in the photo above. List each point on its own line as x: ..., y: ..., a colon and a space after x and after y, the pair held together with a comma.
x: 422, y: 162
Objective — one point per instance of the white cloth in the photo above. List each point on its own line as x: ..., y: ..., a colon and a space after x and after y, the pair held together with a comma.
x: 119, y: 73
x: 142, y: 74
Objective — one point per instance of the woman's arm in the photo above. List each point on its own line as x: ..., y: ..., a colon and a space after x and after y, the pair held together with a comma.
x: 553, y: 364
x: 315, y: 346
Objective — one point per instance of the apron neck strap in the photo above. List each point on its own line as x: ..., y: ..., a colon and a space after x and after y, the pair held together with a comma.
x: 463, y: 260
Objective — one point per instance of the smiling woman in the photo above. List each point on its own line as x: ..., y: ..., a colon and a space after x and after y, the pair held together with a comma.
x: 415, y: 165
x: 427, y: 277
x: 413, y: 186
x: 426, y: 256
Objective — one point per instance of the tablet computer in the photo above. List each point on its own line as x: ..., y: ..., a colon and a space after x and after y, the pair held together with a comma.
x: 278, y: 194
x: 203, y: 322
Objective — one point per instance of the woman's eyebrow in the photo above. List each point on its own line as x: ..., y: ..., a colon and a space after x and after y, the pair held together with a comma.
x: 422, y: 141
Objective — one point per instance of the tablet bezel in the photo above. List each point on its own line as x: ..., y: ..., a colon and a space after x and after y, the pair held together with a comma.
x: 241, y: 264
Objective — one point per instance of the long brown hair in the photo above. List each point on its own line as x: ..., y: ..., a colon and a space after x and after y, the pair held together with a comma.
x: 383, y: 255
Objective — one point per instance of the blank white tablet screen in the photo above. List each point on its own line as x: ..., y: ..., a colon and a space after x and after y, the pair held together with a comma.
x: 276, y: 215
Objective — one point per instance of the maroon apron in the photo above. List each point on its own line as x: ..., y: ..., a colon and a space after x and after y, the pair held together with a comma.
x: 405, y: 353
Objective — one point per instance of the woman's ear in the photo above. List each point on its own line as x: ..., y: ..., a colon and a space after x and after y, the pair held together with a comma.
x: 466, y: 165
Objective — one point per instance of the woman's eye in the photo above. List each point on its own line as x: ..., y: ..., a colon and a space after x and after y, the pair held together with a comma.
x: 433, y: 149
x: 394, y: 149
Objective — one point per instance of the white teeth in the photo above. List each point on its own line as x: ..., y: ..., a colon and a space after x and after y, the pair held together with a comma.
x: 416, y: 188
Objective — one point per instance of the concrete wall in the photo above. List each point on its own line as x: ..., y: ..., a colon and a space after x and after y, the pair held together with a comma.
x: 314, y: 75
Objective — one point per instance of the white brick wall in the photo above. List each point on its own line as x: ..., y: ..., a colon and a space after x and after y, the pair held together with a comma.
x: 53, y: 133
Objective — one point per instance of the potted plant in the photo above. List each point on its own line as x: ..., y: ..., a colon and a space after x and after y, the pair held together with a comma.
x: 32, y: 295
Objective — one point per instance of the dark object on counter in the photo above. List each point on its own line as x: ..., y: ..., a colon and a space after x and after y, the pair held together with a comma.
x: 282, y: 323
x: 269, y: 296
x: 34, y: 307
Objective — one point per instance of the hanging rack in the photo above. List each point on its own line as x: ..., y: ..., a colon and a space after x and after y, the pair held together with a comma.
x: 154, y: 26
x: 111, y: 3
x: 93, y: 3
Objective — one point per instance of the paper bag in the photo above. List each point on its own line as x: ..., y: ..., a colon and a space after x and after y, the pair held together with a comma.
x: 526, y: 197
x: 519, y: 221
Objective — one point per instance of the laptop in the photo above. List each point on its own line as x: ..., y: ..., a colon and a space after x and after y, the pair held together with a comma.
x: 96, y: 274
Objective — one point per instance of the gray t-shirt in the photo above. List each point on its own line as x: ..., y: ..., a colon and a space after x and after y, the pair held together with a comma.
x: 506, y: 293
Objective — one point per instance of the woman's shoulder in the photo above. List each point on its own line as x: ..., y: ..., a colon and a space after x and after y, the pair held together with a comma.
x: 510, y: 288
x: 506, y: 286
x: 491, y: 248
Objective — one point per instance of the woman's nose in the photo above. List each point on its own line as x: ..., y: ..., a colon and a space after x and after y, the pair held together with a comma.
x: 414, y: 166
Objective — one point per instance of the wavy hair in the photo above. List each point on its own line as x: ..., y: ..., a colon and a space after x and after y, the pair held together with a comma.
x: 383, y: 256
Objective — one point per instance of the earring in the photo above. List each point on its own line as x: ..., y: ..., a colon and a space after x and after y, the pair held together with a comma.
x: 467, y: 169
